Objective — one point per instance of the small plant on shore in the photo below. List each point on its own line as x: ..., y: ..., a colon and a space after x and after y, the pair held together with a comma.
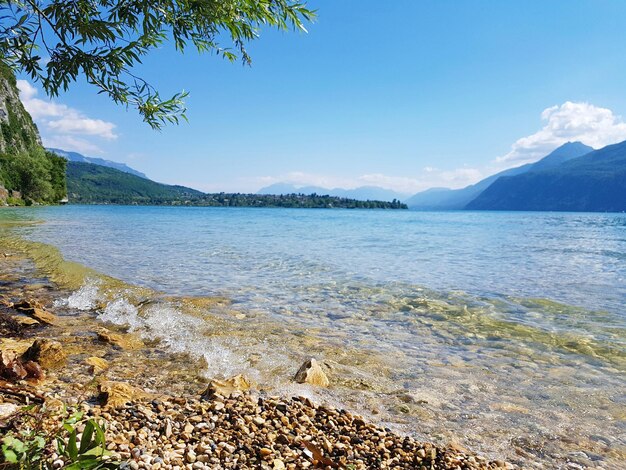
x: 29, y: 448
x: 90, y: 451
x: 25, y: 452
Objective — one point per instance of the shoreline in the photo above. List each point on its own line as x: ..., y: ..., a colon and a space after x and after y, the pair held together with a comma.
x: 160, y: 370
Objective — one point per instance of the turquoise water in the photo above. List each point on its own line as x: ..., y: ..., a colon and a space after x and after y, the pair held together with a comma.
x: 504, y: 331
x: 579, y: 259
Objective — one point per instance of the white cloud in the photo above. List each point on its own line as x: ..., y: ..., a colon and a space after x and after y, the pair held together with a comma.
x: 83, y: 125
x: 460, y: 177
x: 569, y: 122
x: 431, y: 177
x: 298, y: 178
x: 27, y: 91
x: 63, y: 126
x: 72, y: 144
x: 401, y: 184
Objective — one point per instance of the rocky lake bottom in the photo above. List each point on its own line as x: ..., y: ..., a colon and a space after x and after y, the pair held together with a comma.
x: 159, y: 412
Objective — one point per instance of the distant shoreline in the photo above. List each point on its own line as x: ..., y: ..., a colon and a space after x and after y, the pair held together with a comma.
x: 227, y: 206
x: 93, y: 184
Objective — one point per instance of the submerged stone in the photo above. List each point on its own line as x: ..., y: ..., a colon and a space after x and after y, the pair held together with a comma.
x: 25, y: 321
x: 36, y: 310
x: 49, y: 354
x: 27, y: 305
x: 19, y: 346
x: 121, y: 341
x: 312, y: 373
x: 227, y: 387
x: 96, y: 364
x: 117, y: 394
x: 43, y: 316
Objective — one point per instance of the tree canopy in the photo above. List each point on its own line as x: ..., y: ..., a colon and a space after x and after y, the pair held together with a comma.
x: 56, y: 42
x: 38, y: 175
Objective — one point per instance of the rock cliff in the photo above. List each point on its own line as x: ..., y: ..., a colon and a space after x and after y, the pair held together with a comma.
x: 19, y: 132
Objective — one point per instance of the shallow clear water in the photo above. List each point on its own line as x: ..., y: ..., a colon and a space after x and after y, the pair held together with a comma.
x: 503, y: 331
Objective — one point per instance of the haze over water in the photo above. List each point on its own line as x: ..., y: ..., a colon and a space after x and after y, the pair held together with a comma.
x: 504, y: 331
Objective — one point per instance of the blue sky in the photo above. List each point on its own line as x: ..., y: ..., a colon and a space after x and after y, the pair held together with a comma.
x: 408, y: 94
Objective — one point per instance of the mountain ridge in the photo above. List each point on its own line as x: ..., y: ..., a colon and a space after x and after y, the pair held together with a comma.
x: 457, y: 199
x: 594, y: 182
x: 78, y: 157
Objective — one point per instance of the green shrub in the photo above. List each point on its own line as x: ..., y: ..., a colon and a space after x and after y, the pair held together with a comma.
x: 29, y: 448
x: 11, y: 201
x: 37, y: 174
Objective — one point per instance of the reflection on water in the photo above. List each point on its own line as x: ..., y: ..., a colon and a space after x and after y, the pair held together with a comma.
x: 504, y: 331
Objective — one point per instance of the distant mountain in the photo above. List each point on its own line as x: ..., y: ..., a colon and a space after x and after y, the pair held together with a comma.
x: 77, y: 157
x: 283, y: 188
x: 564, y: 153
x: 362, y: 193
x: 456, y: 199
x: 370, y: 193
x: 595, y: 182
x: 89, y: 183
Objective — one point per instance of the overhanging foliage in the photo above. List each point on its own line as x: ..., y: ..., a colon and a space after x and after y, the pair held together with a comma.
x: 56, y: 42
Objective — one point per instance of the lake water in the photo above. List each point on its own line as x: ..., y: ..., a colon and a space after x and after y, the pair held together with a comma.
x: 504, y: 332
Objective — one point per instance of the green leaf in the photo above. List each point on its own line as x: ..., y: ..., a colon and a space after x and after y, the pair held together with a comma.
x: 86, y: 440
x: 72, y: 450
x: 91, y: 462
x: 74, y: 466
x: 39, y: 442
x: 100, y: 437
x: 9, y: 455
x: 104, y: 41
x: 15, y: 444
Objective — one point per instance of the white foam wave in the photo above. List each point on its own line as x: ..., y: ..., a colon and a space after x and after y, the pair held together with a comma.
x: 179, y: 333
x: 121, y: 312
x: 85, y: 298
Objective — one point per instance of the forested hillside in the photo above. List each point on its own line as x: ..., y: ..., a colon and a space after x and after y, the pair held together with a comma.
x: 88, y: 183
